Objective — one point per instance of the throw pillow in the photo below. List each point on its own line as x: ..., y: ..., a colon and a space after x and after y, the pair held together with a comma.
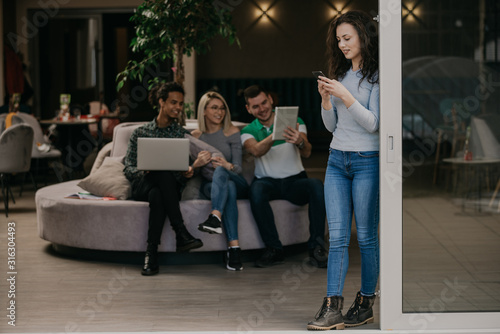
x: 108, y: 181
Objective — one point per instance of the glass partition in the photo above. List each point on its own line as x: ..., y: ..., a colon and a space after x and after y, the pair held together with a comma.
x: 451, y: 156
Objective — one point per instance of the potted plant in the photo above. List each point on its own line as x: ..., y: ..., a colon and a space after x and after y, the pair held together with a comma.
x: 173, y: 28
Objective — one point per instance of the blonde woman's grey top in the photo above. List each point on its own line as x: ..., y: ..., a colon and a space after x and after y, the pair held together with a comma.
x: 230, y: 146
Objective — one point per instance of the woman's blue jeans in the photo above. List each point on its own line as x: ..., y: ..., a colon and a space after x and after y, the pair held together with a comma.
x: 352, y: 186
x: 226, y: 187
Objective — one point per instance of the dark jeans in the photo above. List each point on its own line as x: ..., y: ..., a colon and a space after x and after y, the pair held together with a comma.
x: 162, y: 191
x: 297, y: 189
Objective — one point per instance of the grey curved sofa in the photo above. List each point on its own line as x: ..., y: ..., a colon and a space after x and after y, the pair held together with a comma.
x: 121, y: 225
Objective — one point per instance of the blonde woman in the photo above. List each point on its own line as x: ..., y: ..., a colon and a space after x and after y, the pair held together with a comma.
x: 227, y: 185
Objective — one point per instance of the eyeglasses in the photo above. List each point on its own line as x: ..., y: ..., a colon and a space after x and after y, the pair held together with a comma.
x: 215, y: 108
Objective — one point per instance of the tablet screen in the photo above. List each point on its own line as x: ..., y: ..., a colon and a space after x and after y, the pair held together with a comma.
x: 284, y: 117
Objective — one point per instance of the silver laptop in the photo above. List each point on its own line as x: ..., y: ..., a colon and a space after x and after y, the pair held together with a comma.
x: 163, y: 154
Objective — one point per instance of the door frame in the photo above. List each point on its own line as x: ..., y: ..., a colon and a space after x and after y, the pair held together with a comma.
x: 391, y: 201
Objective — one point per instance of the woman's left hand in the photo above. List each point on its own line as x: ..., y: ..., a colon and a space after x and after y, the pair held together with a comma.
x: 189, y: 173
x: 202, y: 159
x: 220, y: 161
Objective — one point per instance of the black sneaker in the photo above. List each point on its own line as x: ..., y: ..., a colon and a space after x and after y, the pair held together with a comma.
x: 233, y: 259
x: 318, y: 257
x: 211, y: 225
x: 270, y: 258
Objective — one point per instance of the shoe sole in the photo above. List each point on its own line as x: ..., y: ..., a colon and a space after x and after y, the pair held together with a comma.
x: 268, y: 265
x: 233, y: 269
x: 188, y: 247
x: 314, y: 263
x: 211, y: 230
x: 367, y: 321
x: 318, y: 328
x: 150, y: 273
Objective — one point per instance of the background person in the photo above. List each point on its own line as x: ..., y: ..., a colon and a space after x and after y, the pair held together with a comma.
x: 11, y: 106
x: 350, y: 110
x: 279, y: 174
x: 161, y: 189
x: 227, y: 184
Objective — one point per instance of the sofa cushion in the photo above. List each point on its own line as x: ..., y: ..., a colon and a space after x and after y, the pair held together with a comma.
x: 108, y: 180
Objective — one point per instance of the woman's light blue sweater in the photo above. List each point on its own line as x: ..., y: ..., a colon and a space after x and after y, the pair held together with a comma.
x: 355, y: 128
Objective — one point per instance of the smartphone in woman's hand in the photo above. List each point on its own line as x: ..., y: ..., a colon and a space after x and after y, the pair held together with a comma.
x: 318, y: 74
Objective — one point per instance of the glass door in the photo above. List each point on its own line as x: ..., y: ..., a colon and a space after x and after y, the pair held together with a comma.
x: 440, y: 165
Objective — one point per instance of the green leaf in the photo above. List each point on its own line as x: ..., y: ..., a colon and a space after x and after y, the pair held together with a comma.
x: 120, y: 85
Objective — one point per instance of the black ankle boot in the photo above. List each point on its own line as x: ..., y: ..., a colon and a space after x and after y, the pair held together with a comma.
x: 185, y: 241
x: 360, y: 312
x: 329, y: 315
x: 151, y: 266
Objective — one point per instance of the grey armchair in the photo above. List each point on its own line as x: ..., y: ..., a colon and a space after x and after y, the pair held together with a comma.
x: 42, y: 148
x: 15, y: 151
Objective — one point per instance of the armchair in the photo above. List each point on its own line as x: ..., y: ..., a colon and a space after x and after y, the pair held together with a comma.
x: 15, y: 148
x: 41, y: 149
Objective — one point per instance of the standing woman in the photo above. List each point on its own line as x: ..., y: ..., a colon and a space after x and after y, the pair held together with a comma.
x: 161, y: 189
x: 350, y: 110
x: 227, y: 184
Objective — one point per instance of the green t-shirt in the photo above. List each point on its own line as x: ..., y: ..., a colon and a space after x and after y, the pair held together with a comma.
x: 282, y: 160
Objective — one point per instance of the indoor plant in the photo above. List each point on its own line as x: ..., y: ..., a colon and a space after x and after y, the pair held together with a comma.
x: 172, y: 28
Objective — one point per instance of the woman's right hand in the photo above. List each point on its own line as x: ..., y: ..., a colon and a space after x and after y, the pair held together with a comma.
x: 203, y: 158
x: 337, y: 89
x: 326, y: 103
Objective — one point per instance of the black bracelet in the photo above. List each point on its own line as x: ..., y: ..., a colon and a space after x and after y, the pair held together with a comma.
x: 302, y: 144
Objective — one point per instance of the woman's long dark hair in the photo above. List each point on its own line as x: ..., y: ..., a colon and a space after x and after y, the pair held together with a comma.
x: 338, y: 65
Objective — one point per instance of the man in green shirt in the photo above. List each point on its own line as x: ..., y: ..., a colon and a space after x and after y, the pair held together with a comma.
x: 279, y: 174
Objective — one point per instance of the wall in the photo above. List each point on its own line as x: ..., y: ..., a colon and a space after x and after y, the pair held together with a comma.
x: 278, y: 50
x: 290, y: 42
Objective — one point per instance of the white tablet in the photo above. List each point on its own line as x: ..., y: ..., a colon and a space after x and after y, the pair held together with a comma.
x: 284, y: 117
